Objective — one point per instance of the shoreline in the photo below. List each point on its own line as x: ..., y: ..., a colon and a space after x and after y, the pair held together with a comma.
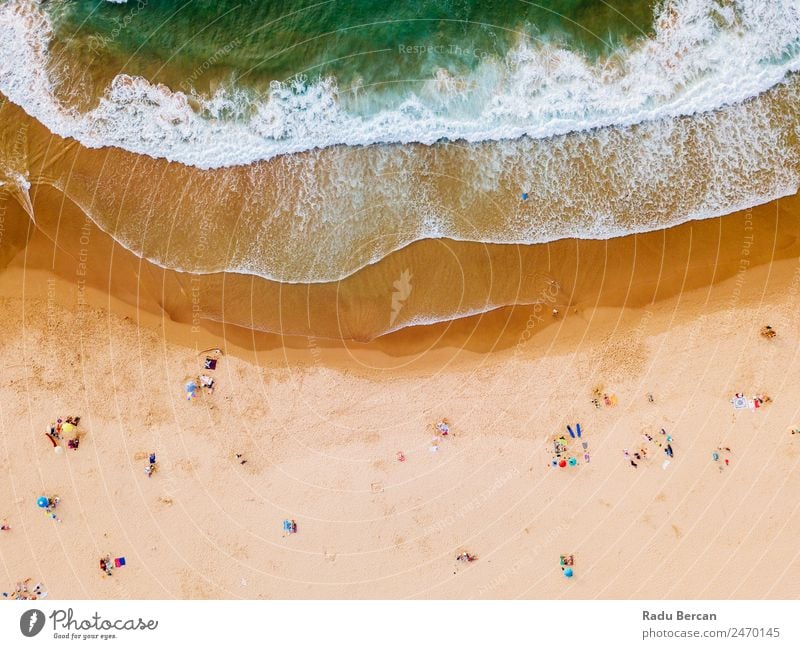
x: 429, y: 276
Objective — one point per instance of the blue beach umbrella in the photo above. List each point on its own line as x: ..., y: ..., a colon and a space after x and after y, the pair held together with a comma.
x: 568, y: 573
x: 42, y: 501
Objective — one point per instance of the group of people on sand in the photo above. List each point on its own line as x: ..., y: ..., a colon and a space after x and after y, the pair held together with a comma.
x: 561, y: 453
x: 600, y: 397
x: 152, y: 465
x: 107, y: 565
x: 665, y: 443
x: 202, y: 383
x: 722, y: 456
x: 442, y: 431
x: 49, y: 504
x: 61, y: 429
x: 24, y: 591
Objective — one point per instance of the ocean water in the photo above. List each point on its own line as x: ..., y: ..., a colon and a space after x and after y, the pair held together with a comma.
x: 215, y: 84
x: 309, y: 140
x: 384, y: 46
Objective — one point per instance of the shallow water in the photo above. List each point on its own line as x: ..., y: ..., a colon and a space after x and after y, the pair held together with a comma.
x: 205, y: 158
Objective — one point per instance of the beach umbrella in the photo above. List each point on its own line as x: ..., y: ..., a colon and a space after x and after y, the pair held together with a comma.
x: 42, y: 501
x: 58, y: 450
x: 562, y: 464
x: 572, y: 461
x: 568, y: 573
x: 67, y: 428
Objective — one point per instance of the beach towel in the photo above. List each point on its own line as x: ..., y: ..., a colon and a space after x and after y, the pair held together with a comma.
x: 210, y: 364
x: 739, y: 403
x: 571, y: 433
x: 119, y: 562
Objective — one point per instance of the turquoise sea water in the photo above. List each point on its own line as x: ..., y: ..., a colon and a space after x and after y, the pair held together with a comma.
x: 215, y: 84
x: 380, y: 44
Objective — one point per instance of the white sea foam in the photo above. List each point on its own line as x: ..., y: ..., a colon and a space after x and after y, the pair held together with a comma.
x: 704, y: 54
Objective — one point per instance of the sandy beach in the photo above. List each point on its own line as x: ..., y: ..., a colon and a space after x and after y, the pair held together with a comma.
x: 320, y: 423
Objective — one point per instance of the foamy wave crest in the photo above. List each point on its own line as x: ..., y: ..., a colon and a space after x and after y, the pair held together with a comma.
x: 704, y: 54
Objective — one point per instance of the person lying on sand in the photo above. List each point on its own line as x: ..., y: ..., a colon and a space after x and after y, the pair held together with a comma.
x: 105, y: 564
x: 442, y: 427
x: 207, y: 383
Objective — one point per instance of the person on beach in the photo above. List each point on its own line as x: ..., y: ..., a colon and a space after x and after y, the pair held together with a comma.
x: 207, y: 383
x: 668, y: 450
x: 105, y: 565
x: 50, y: 510
x: 152, y: 467
x: 5, y: 527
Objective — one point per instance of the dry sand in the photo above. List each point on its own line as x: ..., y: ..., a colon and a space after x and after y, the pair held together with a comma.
x: 320, y: 425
